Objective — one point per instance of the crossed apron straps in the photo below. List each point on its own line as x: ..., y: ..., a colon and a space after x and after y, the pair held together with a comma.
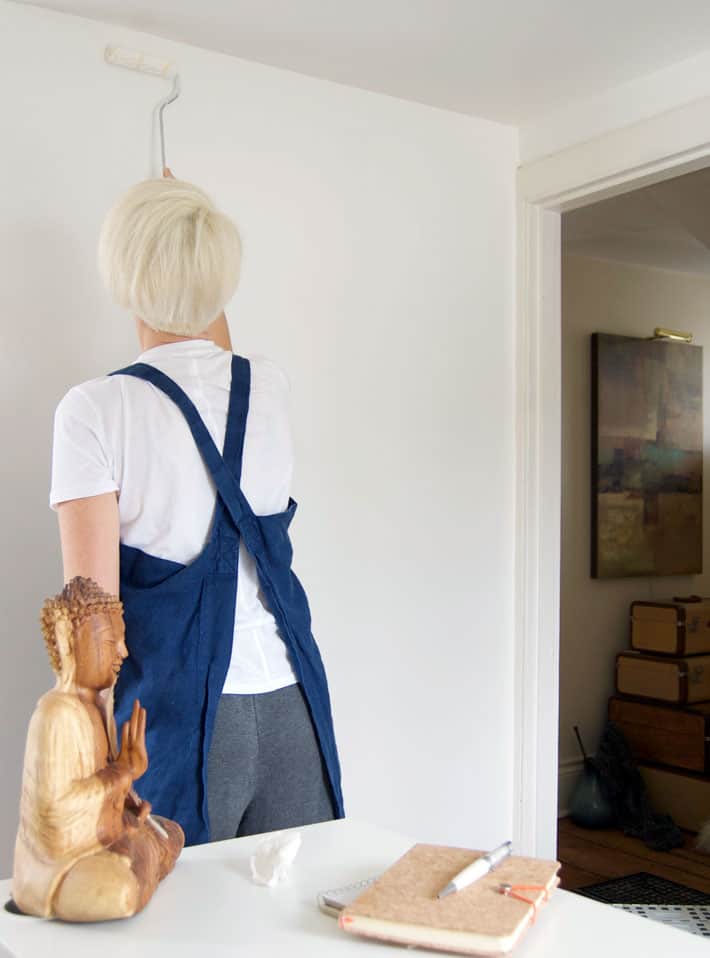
x: 223, y: 477
x: 284, y: 594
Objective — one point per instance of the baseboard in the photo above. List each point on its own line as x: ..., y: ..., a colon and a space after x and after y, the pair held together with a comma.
x: 568, y: 775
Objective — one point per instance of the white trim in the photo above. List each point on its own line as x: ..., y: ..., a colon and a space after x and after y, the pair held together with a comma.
x: 663, y: 146
x: 538, y: 540
x: 649, y: 151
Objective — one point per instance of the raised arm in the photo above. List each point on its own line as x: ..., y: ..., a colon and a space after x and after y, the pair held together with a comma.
x: 89, y: 533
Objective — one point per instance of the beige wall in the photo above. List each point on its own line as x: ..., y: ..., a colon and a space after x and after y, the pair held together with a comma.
x: 609, y: 297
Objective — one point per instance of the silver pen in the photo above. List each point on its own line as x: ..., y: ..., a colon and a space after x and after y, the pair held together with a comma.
x: 477, y: 869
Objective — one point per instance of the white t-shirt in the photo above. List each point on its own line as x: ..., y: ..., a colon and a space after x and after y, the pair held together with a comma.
x: 117, y: 433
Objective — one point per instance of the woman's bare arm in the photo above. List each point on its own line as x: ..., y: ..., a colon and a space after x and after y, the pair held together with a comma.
x: 89, y: 533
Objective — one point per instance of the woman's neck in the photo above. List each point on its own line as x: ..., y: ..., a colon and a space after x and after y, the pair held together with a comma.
x: 217, y: 332
x: 149, y: 338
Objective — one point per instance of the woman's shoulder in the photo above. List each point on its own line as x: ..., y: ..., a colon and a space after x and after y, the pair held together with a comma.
x: 88, y: 398
x: 266, y: 373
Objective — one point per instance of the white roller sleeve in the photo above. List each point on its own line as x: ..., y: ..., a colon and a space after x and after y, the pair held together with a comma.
x: 135, y: 60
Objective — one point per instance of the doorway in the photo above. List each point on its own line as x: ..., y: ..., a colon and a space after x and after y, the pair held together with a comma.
x: 652, y: 151
x: 630, y: 264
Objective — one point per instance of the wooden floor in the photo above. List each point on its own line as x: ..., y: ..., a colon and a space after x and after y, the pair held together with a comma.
x: 594, y: 855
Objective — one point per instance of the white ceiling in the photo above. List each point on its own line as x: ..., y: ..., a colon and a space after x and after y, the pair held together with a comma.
x: 666, y: 225
x: 508, y: 60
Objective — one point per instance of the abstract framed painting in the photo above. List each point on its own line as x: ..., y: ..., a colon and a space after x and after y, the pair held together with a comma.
x: 647, y: 457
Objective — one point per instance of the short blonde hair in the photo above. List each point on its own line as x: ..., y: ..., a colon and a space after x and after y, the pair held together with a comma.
x: 169, y: 255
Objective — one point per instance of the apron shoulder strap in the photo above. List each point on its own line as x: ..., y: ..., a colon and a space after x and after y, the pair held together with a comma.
x: 237, y: 415
x: 227, y: 486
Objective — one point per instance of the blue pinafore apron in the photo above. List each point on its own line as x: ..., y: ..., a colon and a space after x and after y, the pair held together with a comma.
x: 180, y: 623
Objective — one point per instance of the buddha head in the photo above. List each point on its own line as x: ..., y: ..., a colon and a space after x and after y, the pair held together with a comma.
x: 84, y: 633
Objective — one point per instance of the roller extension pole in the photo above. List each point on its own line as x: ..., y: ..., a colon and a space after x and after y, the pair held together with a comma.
x: 144, y: 63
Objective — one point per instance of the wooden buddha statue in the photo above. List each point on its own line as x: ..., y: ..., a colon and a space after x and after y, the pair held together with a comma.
x: 87, y: 847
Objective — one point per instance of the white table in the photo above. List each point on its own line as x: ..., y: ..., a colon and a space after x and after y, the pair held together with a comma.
x: 209, y: 907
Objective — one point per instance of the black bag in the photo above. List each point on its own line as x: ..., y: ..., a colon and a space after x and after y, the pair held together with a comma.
x: 626, y: 792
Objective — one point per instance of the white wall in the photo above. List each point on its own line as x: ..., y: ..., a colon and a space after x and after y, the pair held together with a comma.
x: 378, y: 271
x: 618, y: 107
x: 627, y: 300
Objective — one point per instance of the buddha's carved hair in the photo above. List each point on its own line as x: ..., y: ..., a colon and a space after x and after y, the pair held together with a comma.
x: 79, y: 599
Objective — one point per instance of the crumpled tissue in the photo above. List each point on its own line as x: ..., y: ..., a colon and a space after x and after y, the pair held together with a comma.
x: 273, y: 857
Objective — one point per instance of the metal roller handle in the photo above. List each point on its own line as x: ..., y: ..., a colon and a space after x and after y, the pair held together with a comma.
x: 172, y: 96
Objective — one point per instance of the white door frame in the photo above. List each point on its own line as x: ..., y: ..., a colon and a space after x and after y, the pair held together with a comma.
x: 663, y: 146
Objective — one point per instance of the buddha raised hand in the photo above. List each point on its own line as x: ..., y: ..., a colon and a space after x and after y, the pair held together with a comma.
x: 87, y: 847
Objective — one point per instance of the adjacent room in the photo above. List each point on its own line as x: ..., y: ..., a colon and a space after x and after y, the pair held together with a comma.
x: 635, y: 270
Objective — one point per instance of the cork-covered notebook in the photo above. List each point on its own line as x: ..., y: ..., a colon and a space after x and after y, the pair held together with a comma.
x: 402, y: 906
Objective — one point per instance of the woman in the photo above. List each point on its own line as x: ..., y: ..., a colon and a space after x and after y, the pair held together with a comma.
x: 171, y: 481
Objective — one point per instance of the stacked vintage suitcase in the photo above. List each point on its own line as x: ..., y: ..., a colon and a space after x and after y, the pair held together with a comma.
x: 663, y: 704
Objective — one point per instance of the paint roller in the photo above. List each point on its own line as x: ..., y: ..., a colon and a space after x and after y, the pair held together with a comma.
x: 143, y: 63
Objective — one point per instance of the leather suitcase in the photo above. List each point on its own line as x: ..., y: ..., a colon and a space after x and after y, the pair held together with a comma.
x: 665, y: 734
x: 680, y: 627
x: 677, y: 680
x: 685, y: 796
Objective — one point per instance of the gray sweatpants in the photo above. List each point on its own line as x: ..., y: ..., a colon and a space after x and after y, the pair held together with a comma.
x: 264, y: 769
